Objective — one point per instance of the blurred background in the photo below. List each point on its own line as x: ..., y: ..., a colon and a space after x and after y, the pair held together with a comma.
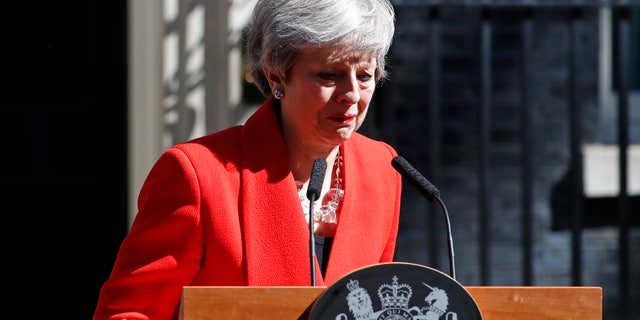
x: 524, y: 114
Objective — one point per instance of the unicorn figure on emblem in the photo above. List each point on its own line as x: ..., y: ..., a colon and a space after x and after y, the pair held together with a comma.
x: 437, y: 303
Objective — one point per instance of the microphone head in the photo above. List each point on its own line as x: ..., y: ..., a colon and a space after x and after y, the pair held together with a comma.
x: 421, y: 183
x: 317, y: 179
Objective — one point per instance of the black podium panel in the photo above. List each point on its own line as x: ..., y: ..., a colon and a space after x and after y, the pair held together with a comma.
x: 395, y: 291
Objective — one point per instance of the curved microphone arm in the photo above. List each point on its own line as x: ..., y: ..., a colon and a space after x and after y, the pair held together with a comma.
x: 452, y: 264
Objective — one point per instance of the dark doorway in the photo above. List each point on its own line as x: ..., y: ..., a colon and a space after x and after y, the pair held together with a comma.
x: 63, y: 106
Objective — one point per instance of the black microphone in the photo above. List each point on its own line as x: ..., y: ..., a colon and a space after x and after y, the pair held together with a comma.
x: 317, y: 179
x: 429, y: 191
x: 313, y: 193
x: 426, y: 188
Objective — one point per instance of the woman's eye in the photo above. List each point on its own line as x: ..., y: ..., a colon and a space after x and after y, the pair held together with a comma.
x: 365, y: 77
x: 328, y: 76
x: 333, y: 76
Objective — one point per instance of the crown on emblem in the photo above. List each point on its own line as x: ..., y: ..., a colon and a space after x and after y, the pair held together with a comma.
x: 395, y: 295
x: 353, y: 285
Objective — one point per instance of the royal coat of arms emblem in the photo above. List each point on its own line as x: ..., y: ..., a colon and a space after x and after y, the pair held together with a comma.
x: 402, y: 291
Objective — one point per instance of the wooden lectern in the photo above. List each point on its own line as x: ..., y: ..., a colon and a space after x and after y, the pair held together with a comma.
x: 495, y: 303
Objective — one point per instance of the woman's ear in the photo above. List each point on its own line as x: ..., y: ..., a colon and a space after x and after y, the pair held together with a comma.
x: 275, y: 81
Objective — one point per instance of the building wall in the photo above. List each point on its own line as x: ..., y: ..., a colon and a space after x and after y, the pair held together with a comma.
x: 458, y: 140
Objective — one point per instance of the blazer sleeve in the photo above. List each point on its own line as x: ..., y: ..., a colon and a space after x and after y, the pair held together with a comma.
x: 162, y: 250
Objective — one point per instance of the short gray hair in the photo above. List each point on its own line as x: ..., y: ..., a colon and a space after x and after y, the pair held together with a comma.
x: 281, y: 29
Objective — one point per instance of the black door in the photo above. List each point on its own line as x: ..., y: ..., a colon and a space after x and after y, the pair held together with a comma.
x: 63, y: 110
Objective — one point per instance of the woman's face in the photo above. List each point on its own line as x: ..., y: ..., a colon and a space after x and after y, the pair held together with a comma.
x: 327, y: 94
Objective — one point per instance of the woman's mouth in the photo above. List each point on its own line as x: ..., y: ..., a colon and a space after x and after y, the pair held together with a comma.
x: 345, y: 118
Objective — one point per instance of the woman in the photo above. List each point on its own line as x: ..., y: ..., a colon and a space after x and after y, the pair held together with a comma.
x: 229, y: 209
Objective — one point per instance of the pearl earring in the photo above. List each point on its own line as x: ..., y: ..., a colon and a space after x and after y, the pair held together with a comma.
x: 278, y: 93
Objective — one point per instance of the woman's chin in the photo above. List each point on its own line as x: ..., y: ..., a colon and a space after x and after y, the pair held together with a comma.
x: 345, y: 133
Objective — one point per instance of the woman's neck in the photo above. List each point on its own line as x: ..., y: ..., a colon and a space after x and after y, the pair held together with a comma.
x: 301, y: 160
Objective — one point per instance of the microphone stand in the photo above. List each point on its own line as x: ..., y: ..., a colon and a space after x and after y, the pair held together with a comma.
x: 452, y: 265
x: 312, y: 243
x: 431, y: 193
x: 313, y: 193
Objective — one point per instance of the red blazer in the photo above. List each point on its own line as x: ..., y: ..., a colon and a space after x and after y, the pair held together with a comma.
x: 223, y: 210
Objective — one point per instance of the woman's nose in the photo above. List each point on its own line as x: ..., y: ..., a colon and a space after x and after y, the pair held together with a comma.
x: 349, y: 90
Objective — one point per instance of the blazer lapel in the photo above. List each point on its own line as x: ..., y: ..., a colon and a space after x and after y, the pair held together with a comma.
x: 349, y: 250
x: 276, y: 239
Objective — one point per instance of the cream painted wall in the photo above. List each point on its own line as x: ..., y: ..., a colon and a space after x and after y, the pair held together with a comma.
x: 185, y: 76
